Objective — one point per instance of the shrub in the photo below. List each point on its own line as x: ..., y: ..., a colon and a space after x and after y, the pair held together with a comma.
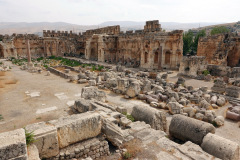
x: 130, y: 117
x: 45, y: 66
x: 29, y: 137
x: 93, y: 68
x: 1, y: 117
x: 205, y: 72
x: 127, y: 155
x: 39, y: 59
x: 100, y: 68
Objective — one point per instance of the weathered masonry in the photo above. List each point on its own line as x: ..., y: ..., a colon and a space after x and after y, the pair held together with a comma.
x: 148, y: 48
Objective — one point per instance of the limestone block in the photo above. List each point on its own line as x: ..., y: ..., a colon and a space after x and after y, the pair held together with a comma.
x: 185, y: 129
x: 33, y: 152
x: 195, y: 151
x: 13, y: 145
x: 213, y: 100
x: 174, y: 107
x: 92, y: 82
x: 83, y: 105
x: 72, y: 129
x: 133, y: 89
x: 155, y: 118
x: 204, y: 104
x: 221, y: 101
x: 220, y: 147
x: 233, y: 116
x: 113, y: 133
x: 46, y: 139
x: 233, y: 91
x: 123, y: 84
x: 92, y: 92
x: 219, y: 120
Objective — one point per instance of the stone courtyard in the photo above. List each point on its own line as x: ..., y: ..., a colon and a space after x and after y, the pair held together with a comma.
x: 119, y: 96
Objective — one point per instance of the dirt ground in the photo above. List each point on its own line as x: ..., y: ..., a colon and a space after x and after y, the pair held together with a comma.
x: 27, y: 98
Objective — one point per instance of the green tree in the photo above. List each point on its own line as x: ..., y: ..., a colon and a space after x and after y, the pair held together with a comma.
x: 187, y: 42
x: 219, y: 30
x: 201, y: 33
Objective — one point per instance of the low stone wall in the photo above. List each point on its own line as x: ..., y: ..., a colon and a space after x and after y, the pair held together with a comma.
x: 90, y: 148
x: 13, y: 145
x: 59, y: 73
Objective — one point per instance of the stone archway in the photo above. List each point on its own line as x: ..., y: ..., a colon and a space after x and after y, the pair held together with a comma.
x: 156, y: 57
x: 93, y: 54
x: 167, y: 57
x: 146, y: 57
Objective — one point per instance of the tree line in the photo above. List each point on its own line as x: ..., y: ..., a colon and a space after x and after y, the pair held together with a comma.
x: 190, y: 41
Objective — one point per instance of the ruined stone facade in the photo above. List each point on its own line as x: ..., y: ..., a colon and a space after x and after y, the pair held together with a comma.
x: 148, y: 48
x: 220, y: 49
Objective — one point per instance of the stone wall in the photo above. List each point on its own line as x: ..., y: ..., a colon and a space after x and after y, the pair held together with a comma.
x: 110, y: 30
x: 155, y: 50
x: 190, y: 66
x: 90, y: 148
x: 149, y: 48
x: 222, y: 49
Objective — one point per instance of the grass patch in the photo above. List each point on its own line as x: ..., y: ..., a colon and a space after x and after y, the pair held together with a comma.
x: 1, y: 117
x: 29, y: 137
x: 38, y: 118
x: 127, y: 155
x: 129, y: 116
x: 205, y: 72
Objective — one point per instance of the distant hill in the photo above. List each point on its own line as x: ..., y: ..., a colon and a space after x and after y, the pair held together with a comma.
x: 165, y: 25
x: 37, y: 27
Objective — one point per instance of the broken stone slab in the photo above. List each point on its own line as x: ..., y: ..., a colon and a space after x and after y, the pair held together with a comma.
x: 46, y: 139
x: 92, y: 83
x: 33, y: 152
x: 93, y: 92
x: 174, y: 107
x: 219, y: 120
x: 13, y: 145
x: 189, y: 129
x: 113, y: 133
x: 233, y: 91
x: 152, y: 116
x: 83, y: 105
x: 74, y: 128
x: 233, y: 116
x: 149, y: 135
x: 221, y: 101
x: 133, y: 89
x: 194, y: 151
x: 220, y: 147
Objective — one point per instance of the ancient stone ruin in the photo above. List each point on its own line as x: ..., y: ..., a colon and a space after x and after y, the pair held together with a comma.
x: 116, y: 95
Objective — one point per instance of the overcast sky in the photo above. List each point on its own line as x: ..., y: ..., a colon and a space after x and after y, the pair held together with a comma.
x: 97, y: 11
